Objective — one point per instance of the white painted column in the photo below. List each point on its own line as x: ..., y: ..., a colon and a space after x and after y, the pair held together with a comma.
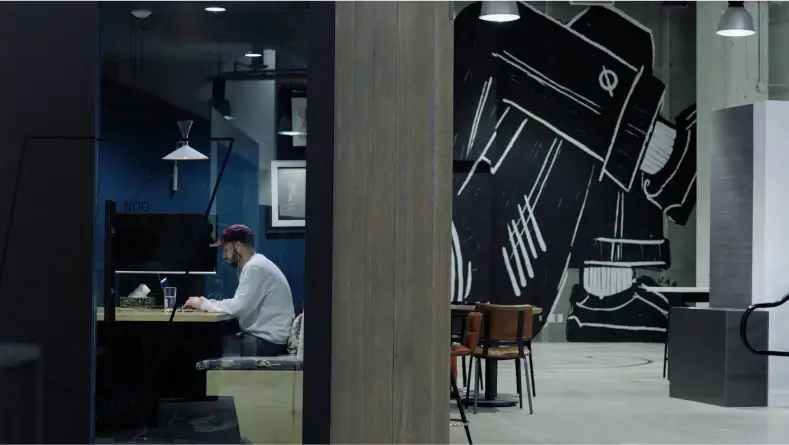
x: 729, y: 72
x: 770, y: 242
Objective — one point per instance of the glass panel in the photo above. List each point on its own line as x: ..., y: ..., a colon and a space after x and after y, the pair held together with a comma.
x: 193, y: 98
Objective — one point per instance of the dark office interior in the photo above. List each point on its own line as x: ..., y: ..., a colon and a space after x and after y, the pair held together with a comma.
x: 228, y: 85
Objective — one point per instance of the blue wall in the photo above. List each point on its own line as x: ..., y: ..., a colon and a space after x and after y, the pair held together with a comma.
x: 134, y: 171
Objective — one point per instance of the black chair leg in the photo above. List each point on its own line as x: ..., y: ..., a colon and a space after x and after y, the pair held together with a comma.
x: 456, y: 396
x: 528, y: 390
x: 478, y: 381
x: 665, y: 358
x: 465, y: 374
x: 479, y: 372
x: 665, y: 346
x: 469, y: 389
x: 531, y: 369
x: 518, y: 383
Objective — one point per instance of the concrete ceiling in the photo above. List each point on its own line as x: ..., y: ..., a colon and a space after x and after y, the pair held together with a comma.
x: 185, y: 31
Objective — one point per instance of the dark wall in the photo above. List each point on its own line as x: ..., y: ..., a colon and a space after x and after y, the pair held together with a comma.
x: 48, y: 87
x: 131, y: 171
x: 583, y: 170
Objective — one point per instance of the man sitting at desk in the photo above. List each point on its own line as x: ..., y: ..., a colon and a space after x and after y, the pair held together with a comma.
x: 263, y: 303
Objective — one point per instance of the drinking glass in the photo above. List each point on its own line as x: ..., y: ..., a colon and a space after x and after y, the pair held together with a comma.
x: 169, y: 298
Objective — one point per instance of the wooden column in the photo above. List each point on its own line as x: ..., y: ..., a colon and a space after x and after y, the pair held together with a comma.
x: 392, y: 220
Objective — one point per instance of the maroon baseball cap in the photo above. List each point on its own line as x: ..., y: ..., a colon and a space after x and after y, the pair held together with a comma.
x: 236, y: 232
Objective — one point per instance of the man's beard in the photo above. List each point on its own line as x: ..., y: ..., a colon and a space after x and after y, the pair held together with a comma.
x: 233, y: 261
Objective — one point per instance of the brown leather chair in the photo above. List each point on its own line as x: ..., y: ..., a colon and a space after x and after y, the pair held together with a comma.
x: 506, y: 332
x: 470, y: 341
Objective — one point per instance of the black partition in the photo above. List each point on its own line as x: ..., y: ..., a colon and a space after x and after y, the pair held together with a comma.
x: 50, y: 307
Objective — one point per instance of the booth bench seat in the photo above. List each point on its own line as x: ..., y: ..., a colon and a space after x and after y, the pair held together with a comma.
x: 281, y: 363
x: 266, y: 391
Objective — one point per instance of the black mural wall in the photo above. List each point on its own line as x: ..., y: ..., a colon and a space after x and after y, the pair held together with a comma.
x: 567, y: 164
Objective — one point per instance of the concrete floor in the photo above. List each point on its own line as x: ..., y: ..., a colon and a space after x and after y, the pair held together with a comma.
x: 613, y: 393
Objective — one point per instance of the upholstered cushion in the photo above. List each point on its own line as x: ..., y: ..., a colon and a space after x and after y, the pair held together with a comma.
x: 295, y: 335
x: 281, y: 363
x: 501, y: 352
x: 460, y: 350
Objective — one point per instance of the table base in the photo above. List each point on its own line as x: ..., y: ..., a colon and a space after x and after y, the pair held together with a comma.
x: 501, y: 400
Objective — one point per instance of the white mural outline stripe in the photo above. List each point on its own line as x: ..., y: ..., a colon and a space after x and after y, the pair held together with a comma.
x: 616, y: 223
x: 663, y: 297
x: 481, y: 158
x: 522, y: 247
x: 513, y: 246
x: 542, y: 79
x: 494, y: 168
x: 604, y: 172
x: 515, y: 288
x: 561, y: 134
x: 463, y: 286
x: 624, y: 16
x: 624, y: 263
x: 621, y: 306
x: 563, y: 280
x: 483, y: 97
x: 501, y: 118
x: 470, y: 277
x: 521, y: 224
x: 644, y: 146
x: 630, y: 241
x: 581, y: 36
x: 527, y: 232
x: 646, y: 182
x: 614, y: 326
x: 453, y: 274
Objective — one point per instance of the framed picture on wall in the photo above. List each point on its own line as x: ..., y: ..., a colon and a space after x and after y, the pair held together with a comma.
x: 291, y: 122
x: 298, y: 116
x: 288, y: 192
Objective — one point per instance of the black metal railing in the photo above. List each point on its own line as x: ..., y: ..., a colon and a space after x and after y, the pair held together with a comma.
x: 744, y: 327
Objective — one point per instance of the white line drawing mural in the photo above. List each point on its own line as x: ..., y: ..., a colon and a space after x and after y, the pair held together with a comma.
x: 584, y: 170
x: 462, y: 272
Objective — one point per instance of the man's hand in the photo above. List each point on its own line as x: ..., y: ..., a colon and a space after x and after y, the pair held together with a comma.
x: 194, y: 303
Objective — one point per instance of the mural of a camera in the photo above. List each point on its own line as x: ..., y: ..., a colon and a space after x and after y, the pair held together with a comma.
x: 560, y: 125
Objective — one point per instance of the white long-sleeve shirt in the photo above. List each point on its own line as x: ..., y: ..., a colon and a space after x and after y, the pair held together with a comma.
x: 262, y: 304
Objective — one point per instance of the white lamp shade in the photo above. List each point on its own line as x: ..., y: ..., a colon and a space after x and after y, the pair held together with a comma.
x: 499, y: 11
x: 185, y: 153
x: 736, y: 22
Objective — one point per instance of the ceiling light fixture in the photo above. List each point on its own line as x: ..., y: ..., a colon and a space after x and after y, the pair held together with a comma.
x: 736, y: 21
x: 141, y: 14
x: 292, y: 126
x: 253, y: 54
x: 499, y: 11
x: 215, y: 9
x: 184, y: 152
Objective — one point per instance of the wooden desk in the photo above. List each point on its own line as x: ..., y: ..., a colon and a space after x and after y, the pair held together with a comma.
x: 159, y: 315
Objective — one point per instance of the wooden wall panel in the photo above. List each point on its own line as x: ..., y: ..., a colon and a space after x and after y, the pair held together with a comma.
x: 392, y: 221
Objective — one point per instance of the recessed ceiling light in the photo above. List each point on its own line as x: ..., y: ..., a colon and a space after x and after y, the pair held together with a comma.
x: 141, y: 13
x: 215, y: 9
x: 253, y: 54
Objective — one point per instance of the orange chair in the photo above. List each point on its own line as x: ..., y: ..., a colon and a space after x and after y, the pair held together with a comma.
x: 470, y: 339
